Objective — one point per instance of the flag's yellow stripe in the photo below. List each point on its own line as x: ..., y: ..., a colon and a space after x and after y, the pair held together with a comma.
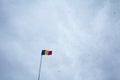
x: 46, y: 52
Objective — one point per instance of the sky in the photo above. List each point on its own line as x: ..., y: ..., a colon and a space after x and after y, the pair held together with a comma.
x: 83, y: 35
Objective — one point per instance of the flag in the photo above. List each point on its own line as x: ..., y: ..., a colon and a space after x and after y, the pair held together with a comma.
x: 46, y: 52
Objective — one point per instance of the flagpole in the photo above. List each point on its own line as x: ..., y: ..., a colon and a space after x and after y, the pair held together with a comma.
x: 39, y: 74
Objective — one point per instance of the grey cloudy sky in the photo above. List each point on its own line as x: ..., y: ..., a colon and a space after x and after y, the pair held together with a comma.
x: 83, y: 34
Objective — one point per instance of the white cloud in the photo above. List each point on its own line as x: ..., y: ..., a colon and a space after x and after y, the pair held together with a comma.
x: 80, y: 33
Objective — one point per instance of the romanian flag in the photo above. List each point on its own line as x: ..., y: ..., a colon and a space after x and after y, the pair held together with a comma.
x: 46, y: 52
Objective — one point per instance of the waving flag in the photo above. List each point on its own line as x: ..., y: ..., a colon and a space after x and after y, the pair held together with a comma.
x: 46, y: 52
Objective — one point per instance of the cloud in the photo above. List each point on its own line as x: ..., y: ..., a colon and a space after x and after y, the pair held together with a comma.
x: 84, y: 37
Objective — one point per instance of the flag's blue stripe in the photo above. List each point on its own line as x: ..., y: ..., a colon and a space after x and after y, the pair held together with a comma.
x: 43, y: 52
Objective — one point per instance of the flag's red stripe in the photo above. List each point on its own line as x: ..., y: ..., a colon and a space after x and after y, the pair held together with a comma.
x: 49, y: 52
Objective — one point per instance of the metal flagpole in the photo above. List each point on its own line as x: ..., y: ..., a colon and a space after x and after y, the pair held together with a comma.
x: 39, y: 74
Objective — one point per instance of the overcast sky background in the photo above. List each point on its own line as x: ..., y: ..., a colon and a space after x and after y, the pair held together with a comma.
x: 84, y: 36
